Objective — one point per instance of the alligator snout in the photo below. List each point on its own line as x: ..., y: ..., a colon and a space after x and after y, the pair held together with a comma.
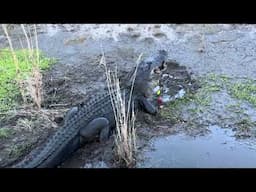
x: 161, y: 68
x: 160, y: 62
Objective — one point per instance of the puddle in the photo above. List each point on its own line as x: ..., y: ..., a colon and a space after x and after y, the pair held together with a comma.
x: 218, y: 149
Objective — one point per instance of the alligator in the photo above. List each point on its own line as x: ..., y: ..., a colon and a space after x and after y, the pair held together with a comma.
x: 94, y: 118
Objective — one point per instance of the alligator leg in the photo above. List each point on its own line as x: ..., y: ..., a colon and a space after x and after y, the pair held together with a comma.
x: 97, y: 126
x: 148, y: 106
x: 70, y: 114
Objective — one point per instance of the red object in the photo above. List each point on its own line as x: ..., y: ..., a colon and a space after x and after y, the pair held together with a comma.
x: 160, y: 101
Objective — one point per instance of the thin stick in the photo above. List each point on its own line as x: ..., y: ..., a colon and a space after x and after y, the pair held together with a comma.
x: 28, y: 41
x: 11, y: 47
x: 133, y: 81
x: 37, y: 49
x: 59, y: 105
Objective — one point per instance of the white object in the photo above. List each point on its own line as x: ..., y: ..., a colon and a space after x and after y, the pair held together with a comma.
x: 180, y: 94
x: 157, y: 88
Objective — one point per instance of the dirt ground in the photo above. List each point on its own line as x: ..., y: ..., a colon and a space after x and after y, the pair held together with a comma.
x: 212, y: 59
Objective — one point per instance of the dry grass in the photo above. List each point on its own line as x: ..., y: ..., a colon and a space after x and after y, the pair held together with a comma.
x: 30, y: 87
x: 125, y: 137
x: 27, y: 118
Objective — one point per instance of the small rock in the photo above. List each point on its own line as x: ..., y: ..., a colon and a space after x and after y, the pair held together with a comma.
x: 157, y: 26
x: 148, y: 40
x: 201, y: 50
x: 158, y: 33
x: 135, y: 34
x: 129, y: 29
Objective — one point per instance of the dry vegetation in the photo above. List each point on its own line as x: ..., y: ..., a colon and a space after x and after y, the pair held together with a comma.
x: 29, y: 85
x: 125, y: 137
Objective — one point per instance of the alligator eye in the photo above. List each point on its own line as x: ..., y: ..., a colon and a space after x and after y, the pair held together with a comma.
x: 163, y: 66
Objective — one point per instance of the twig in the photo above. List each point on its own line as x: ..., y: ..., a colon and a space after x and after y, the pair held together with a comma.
x: 125, y: 138
x: 11, y: 47
x: 28, y: 42
x: 59, y: 105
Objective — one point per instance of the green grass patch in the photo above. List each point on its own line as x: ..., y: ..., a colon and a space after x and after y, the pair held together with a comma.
x: 18, y: 150
x: 245, y: 91
x: 9, y: 89
x: 245, y: 124
x: 200, y: 100
x: 213, y: 82
x: 173, y: 109
x: 5, y: 133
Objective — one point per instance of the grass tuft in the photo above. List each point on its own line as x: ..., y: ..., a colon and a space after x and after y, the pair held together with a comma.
x: 125, y: 137
x: 245, y: 91
x: 20, y: 73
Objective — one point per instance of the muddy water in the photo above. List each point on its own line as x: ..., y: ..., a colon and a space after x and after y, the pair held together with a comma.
x: 218, y: 149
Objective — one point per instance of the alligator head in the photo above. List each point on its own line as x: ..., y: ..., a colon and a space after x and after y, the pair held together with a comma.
x: 155, y: 64
x: 148, y: 69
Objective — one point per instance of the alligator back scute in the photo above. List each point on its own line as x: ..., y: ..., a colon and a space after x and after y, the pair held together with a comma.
x: 59, y: 142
